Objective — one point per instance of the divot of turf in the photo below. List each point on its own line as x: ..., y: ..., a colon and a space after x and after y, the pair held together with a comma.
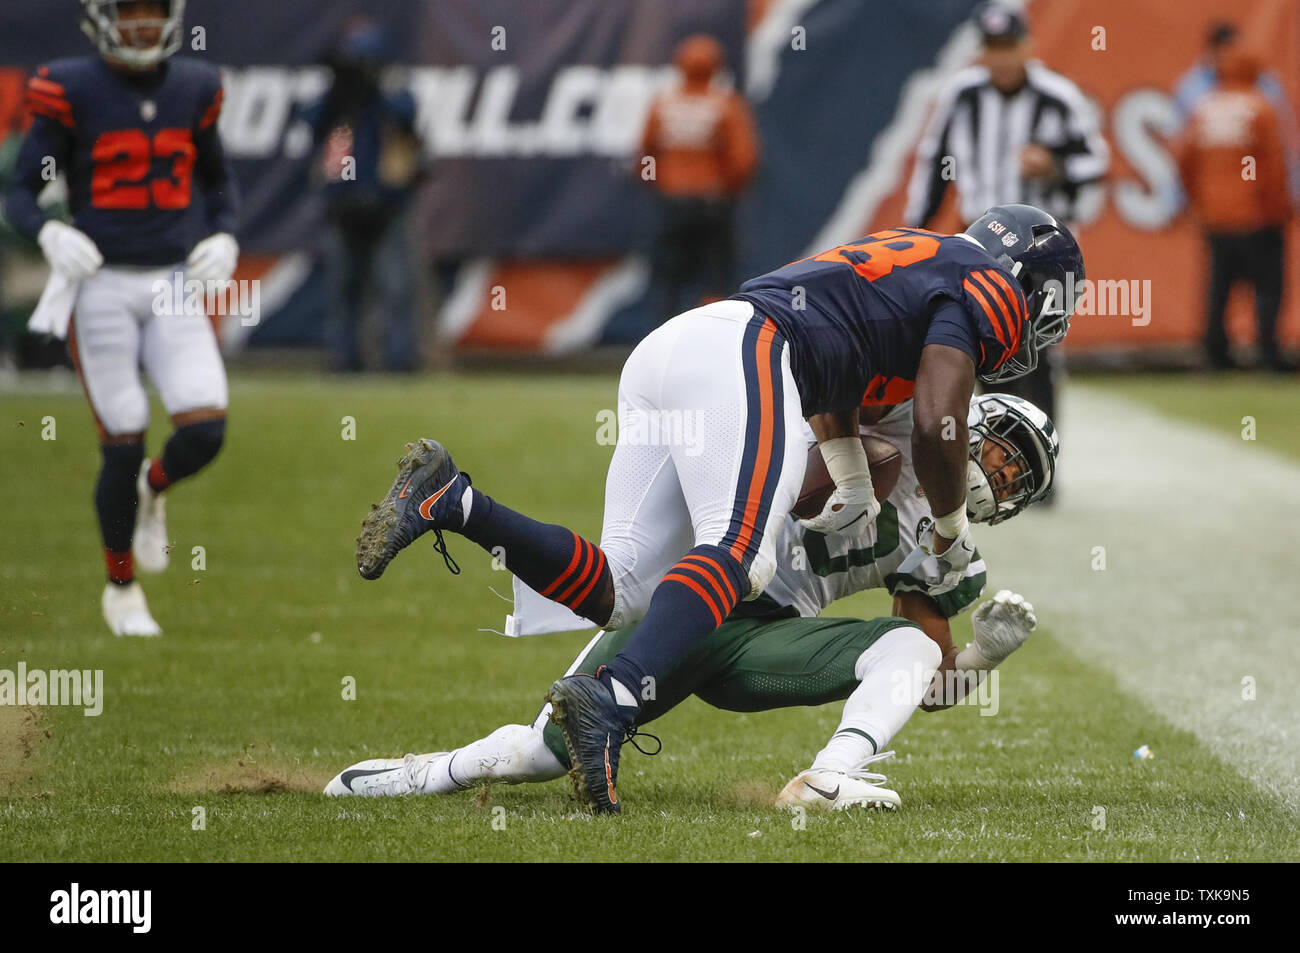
x: 241, y: 776
x: 21, y: 732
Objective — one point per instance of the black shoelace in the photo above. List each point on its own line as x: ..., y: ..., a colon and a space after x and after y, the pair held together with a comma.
x: 631, y: 735
x: 440, y: 547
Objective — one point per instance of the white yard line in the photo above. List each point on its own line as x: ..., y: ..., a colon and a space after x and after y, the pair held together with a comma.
x: 1202, y: 581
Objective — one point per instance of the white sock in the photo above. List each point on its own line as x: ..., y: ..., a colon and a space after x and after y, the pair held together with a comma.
x: 512, y: 753
x: 894, y: 675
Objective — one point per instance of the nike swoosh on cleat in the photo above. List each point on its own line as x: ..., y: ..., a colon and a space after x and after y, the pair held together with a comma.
x: 425, y: 506
x: 830, y: 797
x: 609, y: 776
x: 348, y: 776
x: 402, y: 495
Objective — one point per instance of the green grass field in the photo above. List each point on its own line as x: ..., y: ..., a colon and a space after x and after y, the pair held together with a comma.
x: 239, y: 708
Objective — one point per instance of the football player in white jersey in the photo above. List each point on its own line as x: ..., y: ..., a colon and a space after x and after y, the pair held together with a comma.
x: 778, y: 652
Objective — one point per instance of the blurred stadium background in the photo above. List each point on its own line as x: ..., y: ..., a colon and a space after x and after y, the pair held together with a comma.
x: 530, y: 183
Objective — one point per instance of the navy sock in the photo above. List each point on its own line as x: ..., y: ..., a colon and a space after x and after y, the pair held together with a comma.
x: 553, y: 560
x: 693, y: 599
x: 115, y: 503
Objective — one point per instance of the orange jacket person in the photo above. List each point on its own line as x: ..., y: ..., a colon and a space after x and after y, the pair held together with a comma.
x: 1234, y: 171
x: 701, y: 137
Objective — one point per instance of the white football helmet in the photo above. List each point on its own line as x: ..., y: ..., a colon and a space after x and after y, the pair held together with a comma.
x: 1029, y: 445
x: 99, y: 21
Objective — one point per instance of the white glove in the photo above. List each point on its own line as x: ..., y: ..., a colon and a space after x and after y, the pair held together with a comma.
x: 213, y: 259
x: 1001, y: 626
x: 69, y: 251
x: 953, y: 561
x: 854, y: 498
x: 846, y: 507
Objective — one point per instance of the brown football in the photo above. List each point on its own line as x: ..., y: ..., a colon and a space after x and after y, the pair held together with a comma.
x: 882, y: 456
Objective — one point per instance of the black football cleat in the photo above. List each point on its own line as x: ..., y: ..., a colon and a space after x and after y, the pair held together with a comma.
x: 425, y: 496
x: 586, y: 713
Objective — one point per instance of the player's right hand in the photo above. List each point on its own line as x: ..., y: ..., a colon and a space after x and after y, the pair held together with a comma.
x: 953, y: 562
x: 69, y: 251
x: 854, y: 505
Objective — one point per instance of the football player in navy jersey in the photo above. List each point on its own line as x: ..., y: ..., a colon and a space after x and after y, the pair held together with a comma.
x: 692, y: 519
x: 134, y: 133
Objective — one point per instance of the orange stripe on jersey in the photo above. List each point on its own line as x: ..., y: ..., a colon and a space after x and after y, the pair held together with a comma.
x: 978, y: 295
x: 726, y: 580
x: 699, y: 591
x: 51, y: 107
x: 766, y: 430
x: 213, y: 111
x: 38, y: 85
x: 1017, y: 302
x: 1010, y: 321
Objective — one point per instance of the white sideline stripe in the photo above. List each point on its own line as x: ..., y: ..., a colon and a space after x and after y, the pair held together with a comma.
x: 1200, y: 583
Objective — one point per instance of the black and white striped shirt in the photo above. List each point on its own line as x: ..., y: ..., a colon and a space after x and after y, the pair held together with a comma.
x: 976, y: 136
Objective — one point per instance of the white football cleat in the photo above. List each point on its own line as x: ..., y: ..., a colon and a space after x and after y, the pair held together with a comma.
x: 126, y: 612
x: 384, y: 777
x: 150, y: 541
x: 819, y: 789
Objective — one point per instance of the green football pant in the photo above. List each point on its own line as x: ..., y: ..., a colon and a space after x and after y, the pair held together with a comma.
x: 749, y: 665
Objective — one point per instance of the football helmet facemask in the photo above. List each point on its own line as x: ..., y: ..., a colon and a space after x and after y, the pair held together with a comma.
x: 1029, y: 445
x: 101, y: 22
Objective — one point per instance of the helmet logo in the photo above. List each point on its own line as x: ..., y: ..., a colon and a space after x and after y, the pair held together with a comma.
x: 922, y: 525
x: 1009, y: 238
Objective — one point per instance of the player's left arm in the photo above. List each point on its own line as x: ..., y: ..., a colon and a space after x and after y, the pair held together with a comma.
x: 215, y: 256
x: 1001, y: 626
x: 920, y: 609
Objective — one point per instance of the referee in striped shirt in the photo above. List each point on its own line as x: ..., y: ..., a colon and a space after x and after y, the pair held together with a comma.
x: 1006, y: 131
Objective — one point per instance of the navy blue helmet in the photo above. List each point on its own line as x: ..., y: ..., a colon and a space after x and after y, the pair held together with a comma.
x: 1040, y: 251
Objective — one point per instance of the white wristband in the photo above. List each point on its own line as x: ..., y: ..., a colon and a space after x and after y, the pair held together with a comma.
x: 846, y: 461
x: 952, y: 525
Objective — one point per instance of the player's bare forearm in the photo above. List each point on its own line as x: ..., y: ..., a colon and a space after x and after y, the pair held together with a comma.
x: 919, y: 608
x: 837, y: 424
x: 946, y: 690
x: 945, y: 381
